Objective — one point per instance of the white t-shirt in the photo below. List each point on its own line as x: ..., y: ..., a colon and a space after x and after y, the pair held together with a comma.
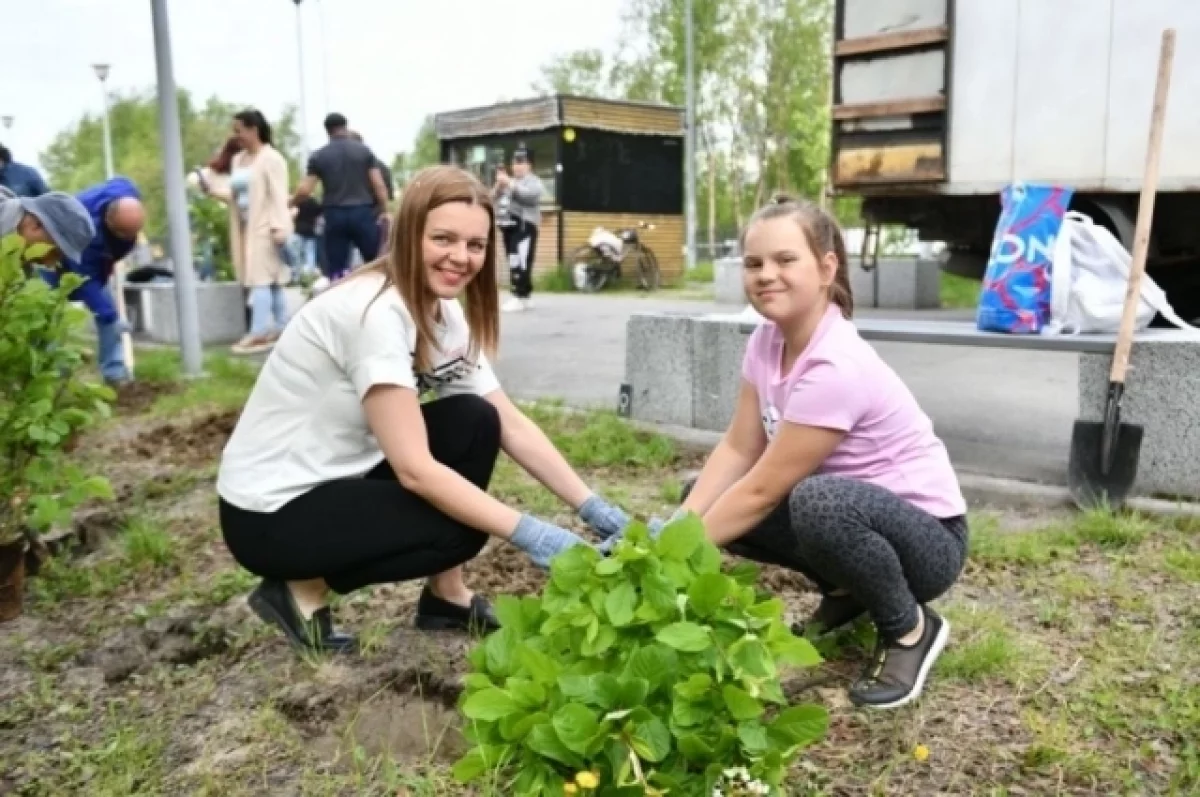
x: 304, y: 424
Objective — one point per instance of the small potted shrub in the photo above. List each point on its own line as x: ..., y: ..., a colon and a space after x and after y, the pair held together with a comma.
x: 44, y: 401
x: 650, y: 671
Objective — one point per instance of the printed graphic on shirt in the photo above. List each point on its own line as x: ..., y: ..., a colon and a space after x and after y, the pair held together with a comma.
x: 770, y: 420
x: 455, y: 369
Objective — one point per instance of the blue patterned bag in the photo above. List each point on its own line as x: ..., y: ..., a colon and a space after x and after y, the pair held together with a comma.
x: 1016, y: 287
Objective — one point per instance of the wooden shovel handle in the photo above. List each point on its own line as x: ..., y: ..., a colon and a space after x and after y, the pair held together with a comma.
x: 1145, y: 217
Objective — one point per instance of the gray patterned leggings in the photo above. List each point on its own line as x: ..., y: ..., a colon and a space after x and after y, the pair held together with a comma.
x: 864, y: 539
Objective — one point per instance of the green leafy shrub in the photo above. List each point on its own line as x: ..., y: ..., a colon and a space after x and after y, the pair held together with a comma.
x: 650, y: 671
x: 44, y: 401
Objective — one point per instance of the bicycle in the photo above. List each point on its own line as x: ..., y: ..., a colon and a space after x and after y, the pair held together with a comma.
x: 601, y: 258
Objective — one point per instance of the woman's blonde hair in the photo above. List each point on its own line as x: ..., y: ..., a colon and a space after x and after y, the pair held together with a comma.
x: 823, y: 234
x: 403, y: 264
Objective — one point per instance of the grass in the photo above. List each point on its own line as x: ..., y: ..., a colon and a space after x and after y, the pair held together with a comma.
x: 1071, y: 667
x: 959, y: 292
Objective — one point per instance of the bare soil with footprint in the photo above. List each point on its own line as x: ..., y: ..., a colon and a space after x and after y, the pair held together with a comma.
x: 137, y: 668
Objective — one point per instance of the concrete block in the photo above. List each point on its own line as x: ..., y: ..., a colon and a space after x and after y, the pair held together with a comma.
x: 1161, y: 393
x: 659, y: 367
x: 897, y: 284
x: 718, y: 347
x: 153, y: 314
x: 727, y: 281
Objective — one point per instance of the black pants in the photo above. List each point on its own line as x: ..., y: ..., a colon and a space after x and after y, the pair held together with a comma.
x: 520, y: 243
x: 862, y: 538
x: 356, y: 532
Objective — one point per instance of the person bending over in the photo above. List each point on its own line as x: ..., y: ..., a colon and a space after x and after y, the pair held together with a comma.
x: 364, y: 452
x: 829, y: 467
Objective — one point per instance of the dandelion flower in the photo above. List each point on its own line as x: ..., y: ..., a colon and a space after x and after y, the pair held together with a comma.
x: 921, y: 752
x: 570, y: 788
x: 587, y: 780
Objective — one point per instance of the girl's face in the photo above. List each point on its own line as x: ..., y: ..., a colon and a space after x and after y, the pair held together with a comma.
x: 246, y: 136
x: 784, y: 279
x: 454, y: 247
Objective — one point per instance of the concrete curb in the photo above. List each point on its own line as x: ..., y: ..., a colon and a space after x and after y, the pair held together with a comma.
x: 980, y: 490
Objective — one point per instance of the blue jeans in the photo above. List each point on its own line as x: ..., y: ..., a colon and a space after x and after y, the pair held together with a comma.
x: 347, y: 227
x: 109, y: 352
x: 267, y: 301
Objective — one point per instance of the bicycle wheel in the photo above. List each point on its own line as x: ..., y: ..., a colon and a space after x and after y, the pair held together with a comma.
x: 649, y: 277
x: 588, y: 272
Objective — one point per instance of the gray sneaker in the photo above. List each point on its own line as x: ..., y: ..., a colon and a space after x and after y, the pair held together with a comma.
x: 896, y: 673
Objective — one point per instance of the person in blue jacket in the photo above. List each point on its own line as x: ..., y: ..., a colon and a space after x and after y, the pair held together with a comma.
x: 117, y: 213
x: 22, y: 180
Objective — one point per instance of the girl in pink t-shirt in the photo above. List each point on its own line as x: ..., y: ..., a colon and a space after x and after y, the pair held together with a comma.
x: 829, y: 466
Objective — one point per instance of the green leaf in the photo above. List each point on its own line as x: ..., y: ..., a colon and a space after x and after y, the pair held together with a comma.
x: 475, y: 681
x: 477, y: 762
x: 544, y: 741
x: 801, y: 725
x: 680, y: 539
x: 575, y: 725
x: 510, y: 613
x: 706, y: 593
x: 740, y: 704
x: 750, y: 657
x: 605, y: 638
x: 753, y: 736
x: 745, y: 573
x: 694, y: 747
x: 697, y: 686
x: 537, y: 665
x: 706, y: 559
x: 489, y: 705
x: 679, y: 574
x: 658, y: 592
x: 684, y: 636
x: 605, y: 690
x: 795, y: 652
x: 633, y: 691
x: 570, y: 569
x: 620, y: 604
x: 768, y: 610
x: 686, y: 714
x: 500, y: 647
x: 515, y: 727
x: 609, y: 566
x: 527, y: 693
x: 652, y: 663
x: 651, y: 740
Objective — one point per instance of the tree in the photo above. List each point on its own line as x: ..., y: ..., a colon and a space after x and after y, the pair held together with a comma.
x: 75, y: 159
x: 585, y: 73
x: 426, y: 151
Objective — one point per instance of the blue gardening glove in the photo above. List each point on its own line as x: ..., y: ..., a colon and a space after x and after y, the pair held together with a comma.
x: 604, y: 518
x: 542, y: 541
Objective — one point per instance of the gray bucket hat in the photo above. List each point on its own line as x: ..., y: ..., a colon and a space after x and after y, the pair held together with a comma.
x: 66, y: 220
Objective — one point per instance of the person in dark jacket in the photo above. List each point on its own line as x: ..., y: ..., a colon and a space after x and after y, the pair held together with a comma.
x: 22, y: 180
x: 118, y: 216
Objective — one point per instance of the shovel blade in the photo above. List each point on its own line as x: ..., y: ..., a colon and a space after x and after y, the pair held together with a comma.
x: 1090, y: 486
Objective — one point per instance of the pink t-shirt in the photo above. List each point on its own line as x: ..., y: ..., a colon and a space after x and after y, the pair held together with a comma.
x: 840, y: 382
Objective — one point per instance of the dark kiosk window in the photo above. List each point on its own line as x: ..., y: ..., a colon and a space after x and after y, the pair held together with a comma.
x: 621, y: 173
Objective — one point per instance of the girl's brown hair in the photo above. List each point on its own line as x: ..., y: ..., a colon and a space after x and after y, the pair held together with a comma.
x: 823, y: 234
x: 222, y: 162
x: 403, y: 266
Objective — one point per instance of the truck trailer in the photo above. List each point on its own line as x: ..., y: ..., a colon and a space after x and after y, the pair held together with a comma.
x: 939, y: 104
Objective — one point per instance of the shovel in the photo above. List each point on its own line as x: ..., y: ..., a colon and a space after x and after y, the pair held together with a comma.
x: 1104, y: 454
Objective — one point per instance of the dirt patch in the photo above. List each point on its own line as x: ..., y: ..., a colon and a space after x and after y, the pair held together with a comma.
x: 137, y: 397
x: 407, y: 728
x: 180, y: 638
x: 191, y: 444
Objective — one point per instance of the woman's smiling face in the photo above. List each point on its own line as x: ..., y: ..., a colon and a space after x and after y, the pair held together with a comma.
x: 454, y: 247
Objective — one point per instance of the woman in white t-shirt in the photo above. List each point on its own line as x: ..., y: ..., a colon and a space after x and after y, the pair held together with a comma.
x: 339, y: 476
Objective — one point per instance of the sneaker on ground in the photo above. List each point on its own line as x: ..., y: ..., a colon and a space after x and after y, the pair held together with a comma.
x: 896, y: 673
x: 512, y: 305
x: 252, y: 344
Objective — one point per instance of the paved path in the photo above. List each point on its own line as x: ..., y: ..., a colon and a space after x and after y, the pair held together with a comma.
x: 1002, y: 413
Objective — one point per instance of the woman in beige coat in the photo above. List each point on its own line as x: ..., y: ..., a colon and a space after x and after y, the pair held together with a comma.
x: 259, y: 229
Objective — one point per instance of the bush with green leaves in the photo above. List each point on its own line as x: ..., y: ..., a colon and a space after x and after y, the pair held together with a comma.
x: 652, y: 670
x: 44, y: 399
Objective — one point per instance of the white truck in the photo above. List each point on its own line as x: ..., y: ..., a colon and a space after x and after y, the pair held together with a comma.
x: 939, y: 104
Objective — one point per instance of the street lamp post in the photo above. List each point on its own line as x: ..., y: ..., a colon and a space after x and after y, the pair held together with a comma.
x: 177, y: 212
x: 689, y: 148
x: 102, y: 73
x: 302, y: 105
x: 8, y: 121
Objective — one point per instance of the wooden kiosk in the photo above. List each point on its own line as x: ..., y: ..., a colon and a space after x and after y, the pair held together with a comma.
x: 604, y: 163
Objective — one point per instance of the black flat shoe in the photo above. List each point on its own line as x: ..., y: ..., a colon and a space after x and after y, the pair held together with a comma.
x: 435, y: 614
x: 833, y: 612
x: 272, y: 602
x: 896, y: 674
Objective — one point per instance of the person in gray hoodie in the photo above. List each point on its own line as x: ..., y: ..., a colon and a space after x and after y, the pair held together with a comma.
x: 525, y: 191
x: 55, y: 218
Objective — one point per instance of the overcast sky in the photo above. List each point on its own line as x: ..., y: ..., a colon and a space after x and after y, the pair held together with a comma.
x: 390, y: 62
